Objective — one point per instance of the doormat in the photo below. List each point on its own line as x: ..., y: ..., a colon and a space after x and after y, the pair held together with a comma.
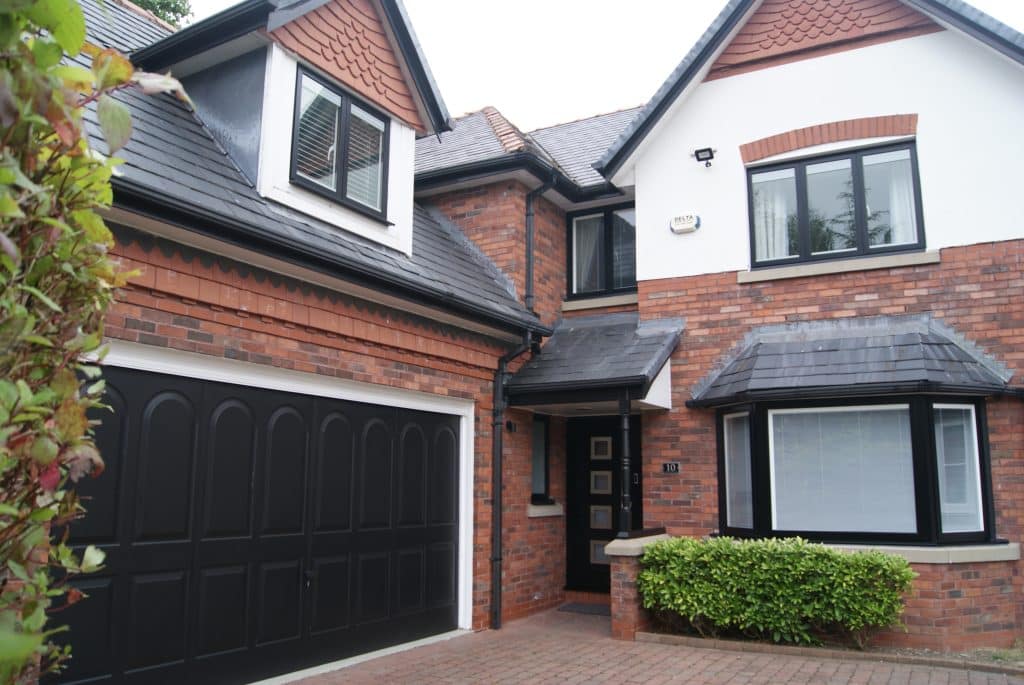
x: 592, y: 609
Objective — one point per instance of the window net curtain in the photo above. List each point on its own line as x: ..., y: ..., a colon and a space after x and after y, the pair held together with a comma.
x: 889, y: 187
x: 774, y: 201
x: 588, y: 245
x: 842, y: 470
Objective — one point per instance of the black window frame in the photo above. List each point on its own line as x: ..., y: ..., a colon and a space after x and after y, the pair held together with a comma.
x: 541, y: 497
x: 925, y: 469
x: 341, y: 172
x: 607, y: 212
x: 799, y: 165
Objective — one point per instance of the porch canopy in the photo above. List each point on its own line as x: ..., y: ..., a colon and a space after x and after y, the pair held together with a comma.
x: 852, y: 357
x: 590, y: 363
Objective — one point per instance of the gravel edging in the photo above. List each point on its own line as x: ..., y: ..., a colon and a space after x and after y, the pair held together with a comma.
x: 825, y: 653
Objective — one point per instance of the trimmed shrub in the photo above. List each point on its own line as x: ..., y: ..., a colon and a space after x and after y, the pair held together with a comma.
x: 782, y: 590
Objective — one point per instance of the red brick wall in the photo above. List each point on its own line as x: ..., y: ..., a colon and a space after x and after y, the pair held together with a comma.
x: 216, y: 307
x: 978, y: 290
x: 534, y: 548
x: 494, y: 217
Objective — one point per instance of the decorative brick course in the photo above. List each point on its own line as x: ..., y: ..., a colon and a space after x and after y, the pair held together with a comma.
x: 977, y: 290
x: 193, y: 302
x: 783, y: 31
x: 831, y: 132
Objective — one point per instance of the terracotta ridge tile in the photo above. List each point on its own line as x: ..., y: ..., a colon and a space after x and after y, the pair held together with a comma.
x: 132, y: 7
x: 510, y: 137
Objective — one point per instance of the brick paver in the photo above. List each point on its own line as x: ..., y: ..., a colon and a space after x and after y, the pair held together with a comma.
x: 559, y: 647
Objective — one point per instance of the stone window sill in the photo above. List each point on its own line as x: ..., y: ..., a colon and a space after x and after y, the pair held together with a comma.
x: 960, y: 554
x: 599, y: 302
x: 536, y: 511
x: 839, y: 266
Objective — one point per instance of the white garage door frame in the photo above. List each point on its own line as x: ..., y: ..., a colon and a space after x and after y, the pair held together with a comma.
x: 141, y: 357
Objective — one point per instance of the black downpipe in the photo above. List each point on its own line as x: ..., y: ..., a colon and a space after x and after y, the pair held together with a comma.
x: 497, y: 426
x: 530, y: 196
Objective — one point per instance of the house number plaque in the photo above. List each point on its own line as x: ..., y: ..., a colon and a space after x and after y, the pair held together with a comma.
x: 670, y: 467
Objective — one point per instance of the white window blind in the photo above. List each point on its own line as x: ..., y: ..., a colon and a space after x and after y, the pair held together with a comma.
x: 956, y: 450
x: 364, y: 168
x: 845, y: 469
x: 315, y: 145
x: 739, y: 499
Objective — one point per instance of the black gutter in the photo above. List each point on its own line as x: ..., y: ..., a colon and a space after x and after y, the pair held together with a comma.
x: 525, y: 161
x: 596, y: 384
x: 823, y: 392
x: 151, y: 203
x: 530, y: 197
x: 497, y: 480
x: 222, y: 27
x: 418, y: 67
x: 649, y: 118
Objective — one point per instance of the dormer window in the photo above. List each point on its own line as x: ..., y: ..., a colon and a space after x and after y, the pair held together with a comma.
x: 339, y: 147
x: 853, y: 204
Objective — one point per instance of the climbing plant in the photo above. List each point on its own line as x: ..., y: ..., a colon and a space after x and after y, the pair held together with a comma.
x: 56, y: 282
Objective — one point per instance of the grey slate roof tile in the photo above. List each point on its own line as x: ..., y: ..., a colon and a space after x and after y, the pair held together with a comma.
x: 173, y: 155
x: 112, y: 25
x: 604, y: 351
x: 836, y: 356
x: 572, y: 147
x: 471, y: 140
x: 576, y: 145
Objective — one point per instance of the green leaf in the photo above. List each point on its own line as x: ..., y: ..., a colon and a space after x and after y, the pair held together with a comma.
x: 9, y: 393
x: 74, y: 77
x: 16, y: 647
x: 116, y: 122
x: 9, y: 208
x: 8, y: 509
x: 46, y: 53
x: 38, y: 340
x: 65, y: 21
x: 42, y: 297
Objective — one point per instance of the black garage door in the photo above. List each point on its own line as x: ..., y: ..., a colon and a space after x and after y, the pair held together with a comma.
x: 253, y: 532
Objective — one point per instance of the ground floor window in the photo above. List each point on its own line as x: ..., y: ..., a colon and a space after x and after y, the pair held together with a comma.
x: 912, y: 470
x: 539, y: 462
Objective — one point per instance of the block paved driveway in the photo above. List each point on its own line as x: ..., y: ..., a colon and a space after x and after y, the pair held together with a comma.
x: 559, y: 647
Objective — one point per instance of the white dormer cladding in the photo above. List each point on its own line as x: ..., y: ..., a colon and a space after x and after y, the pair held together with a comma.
x: 969, y: 103
x: 274, y: 181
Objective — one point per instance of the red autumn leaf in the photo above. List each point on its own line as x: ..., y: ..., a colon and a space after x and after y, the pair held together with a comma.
x: 49, y: 478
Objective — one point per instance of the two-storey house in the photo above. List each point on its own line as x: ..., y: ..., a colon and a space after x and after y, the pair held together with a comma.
x: 787, y: 300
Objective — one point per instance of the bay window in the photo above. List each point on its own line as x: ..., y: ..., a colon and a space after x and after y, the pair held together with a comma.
x: 907, y: 470
x: 852, y: 204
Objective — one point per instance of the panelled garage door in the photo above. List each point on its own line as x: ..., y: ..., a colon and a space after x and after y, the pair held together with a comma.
x: 253, y: 532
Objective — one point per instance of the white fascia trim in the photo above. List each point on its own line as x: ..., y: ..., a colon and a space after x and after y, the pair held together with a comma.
x: 189, y: 364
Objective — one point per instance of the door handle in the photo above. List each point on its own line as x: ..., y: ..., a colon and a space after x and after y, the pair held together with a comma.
x: 310, y: 577
x: 636, y: 479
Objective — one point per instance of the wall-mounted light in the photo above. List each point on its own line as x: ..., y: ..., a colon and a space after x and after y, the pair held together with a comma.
x: 704, y: 154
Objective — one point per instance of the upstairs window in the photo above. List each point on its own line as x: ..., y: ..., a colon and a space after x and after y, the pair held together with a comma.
x: 846, y: 205
x: 339, y: 147
x: 602, y: 251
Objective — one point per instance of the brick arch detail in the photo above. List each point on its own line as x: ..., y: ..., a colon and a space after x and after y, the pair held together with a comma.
x: 831, y: 132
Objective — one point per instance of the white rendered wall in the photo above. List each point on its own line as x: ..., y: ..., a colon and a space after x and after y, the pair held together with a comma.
x: 970, y: 145
x: 275, y: 158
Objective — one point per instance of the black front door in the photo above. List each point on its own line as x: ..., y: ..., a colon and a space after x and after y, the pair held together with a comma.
x: 252, y: 532
x: 594, y: 451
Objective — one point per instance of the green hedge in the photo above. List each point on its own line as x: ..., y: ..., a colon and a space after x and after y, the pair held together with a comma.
x: 783, y: 590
